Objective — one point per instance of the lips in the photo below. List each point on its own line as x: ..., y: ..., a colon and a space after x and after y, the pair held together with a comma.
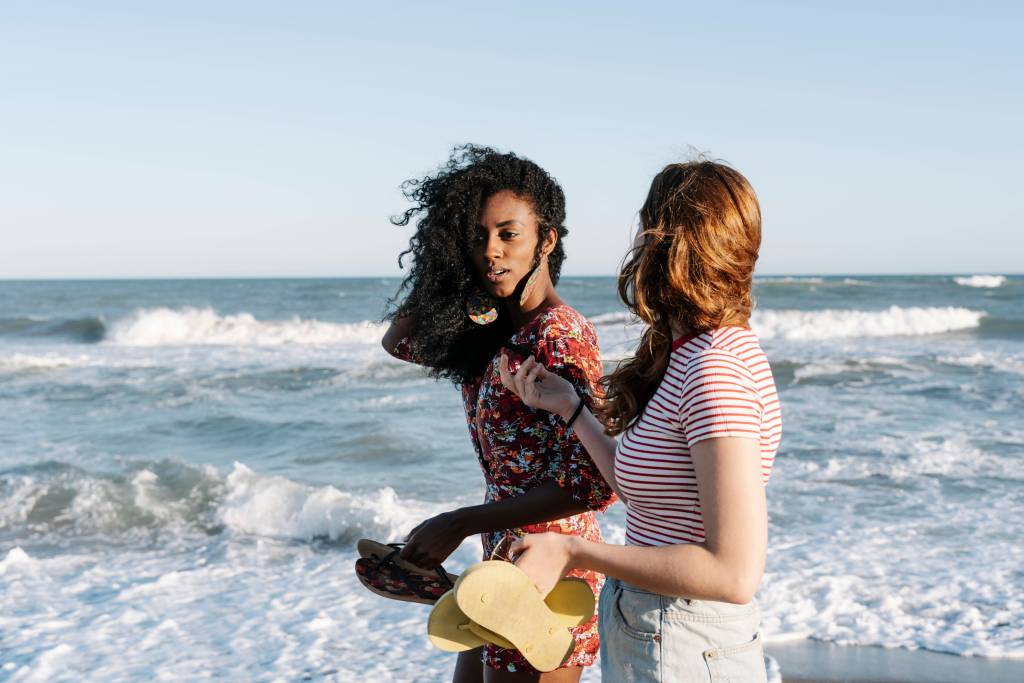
x: 496, y: 274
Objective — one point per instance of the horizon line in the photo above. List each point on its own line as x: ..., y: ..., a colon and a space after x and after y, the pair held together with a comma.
x: 133, y: 278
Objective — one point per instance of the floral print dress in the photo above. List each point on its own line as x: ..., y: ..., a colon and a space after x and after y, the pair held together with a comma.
x: 520, y: 448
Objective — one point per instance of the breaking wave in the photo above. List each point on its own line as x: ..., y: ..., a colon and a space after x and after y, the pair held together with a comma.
x: 620, y: 329
x: 835, y: 323
x: 199, y: 326
x: 985, y: 281
x: 56, y: 498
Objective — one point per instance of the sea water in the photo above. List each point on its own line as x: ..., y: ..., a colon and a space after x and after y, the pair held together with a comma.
x: 185, y: 467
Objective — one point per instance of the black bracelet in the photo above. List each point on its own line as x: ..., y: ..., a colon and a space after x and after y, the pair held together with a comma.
x: 576, y: 413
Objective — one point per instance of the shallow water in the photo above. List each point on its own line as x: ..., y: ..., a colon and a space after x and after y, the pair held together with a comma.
x: 185, y: 466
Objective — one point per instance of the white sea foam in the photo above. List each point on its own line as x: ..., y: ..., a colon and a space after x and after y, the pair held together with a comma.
x: 170, y: 495
x: 616, y: 318
x: 187, y: 326
x: 1000, y: 362
x: 223, y: 608
x: 790, y: 280
x: 985, y: 281
x: 619, y: 332
x: 49, y: 361
x: 281, y: 508
x: 178, y: 497
x: 15, y: 560
x: 857, y: 369
x: 838, y: 323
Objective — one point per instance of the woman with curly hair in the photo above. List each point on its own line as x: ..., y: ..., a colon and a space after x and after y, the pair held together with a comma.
x: 699, y: 421
x: 487, y: 253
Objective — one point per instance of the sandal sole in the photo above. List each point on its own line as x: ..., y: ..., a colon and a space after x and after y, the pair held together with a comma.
x: 501, y: 598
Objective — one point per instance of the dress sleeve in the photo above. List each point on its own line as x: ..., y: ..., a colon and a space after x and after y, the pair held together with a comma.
x: 569, y: 348
x: 719, y: 398
x: 403, y: 350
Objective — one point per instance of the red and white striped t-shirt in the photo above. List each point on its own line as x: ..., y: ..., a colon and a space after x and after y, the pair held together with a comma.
x: 717, y: 384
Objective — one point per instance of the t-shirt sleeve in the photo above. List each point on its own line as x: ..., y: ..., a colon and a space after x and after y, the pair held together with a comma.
x: 719, y: 398
x: 569, y: 349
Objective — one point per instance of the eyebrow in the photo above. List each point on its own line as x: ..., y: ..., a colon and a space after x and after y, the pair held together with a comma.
x: 508, y: 222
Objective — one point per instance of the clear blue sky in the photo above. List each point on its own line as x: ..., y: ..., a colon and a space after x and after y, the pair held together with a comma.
x: 269, y: 139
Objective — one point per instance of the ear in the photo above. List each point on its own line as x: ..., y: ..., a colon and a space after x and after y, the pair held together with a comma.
x: 550, y: 240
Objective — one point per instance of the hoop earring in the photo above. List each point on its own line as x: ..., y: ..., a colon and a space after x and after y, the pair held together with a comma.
x: 481, y: 308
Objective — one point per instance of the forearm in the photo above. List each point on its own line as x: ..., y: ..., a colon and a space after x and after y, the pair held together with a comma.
x: 544, y: 503
x: 600, y: 447
x: 685, y: 570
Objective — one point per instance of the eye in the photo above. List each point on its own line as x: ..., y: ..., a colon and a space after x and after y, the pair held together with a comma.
x: 509, y: 234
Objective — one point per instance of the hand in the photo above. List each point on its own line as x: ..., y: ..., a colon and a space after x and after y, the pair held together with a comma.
x: 433, y: 540
x: 539, y: 388
x: 546, y: 558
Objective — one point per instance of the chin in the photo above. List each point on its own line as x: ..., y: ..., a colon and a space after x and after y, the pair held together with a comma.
x: 501, y: 292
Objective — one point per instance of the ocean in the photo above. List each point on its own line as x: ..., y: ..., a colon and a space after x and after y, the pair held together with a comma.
x: 185, y: 467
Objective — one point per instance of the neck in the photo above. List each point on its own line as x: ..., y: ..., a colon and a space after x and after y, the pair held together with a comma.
x: 537, y: 301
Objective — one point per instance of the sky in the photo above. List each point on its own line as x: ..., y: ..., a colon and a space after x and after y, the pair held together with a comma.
x: 258, y: 139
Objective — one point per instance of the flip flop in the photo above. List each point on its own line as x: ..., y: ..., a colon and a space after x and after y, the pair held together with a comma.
x: 449, y: 629
x: 375, y: 550
x: 500, y: 597
x: 386, y: 574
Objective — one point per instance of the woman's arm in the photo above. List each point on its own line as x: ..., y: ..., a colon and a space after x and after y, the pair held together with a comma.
x: 538, y: 387
x: 430, y: 544
x: 727, y: 566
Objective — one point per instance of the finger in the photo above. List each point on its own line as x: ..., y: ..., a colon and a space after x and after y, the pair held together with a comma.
x: 418, y: 558
x: 534, y: 375
x: 507, y: 378
x: 413, y: 531
x: 517, y: 552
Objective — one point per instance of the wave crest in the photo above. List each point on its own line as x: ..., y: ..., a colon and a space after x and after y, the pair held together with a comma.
x: 59, y: 498
x: 56, y: 498
x: 835, y: 323
x: 203, y: 326
x: 280, y: 507
x: 619, y: 331
x: 984, y: 281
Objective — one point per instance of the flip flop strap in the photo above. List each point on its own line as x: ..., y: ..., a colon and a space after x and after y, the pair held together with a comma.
x: 443, y: 575
x: 389, y: 559
x: 506, y: 538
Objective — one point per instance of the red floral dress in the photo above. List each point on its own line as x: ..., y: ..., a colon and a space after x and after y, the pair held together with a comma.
x: 520, y: 448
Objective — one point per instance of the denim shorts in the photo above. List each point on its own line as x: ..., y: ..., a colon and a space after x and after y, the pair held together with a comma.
x: 654, y: 638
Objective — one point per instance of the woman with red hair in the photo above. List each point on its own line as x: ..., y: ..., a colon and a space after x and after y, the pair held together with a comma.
x: 699, y: 424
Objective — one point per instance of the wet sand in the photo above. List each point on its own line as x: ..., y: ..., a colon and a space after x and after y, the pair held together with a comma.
x: 817, y: 662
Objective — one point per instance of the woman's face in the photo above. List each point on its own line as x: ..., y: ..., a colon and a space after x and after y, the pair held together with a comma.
x: 505, y: 242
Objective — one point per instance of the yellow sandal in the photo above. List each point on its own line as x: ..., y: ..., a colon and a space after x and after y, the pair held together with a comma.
x: 499, y: 597
x: 450, y: 630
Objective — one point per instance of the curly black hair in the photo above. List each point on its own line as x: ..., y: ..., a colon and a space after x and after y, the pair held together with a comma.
x: 447, y: 206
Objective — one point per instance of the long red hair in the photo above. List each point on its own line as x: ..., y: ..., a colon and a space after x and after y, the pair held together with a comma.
x: 692, y: 265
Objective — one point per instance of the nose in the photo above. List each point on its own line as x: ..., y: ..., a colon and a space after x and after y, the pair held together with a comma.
x: 492, y: 248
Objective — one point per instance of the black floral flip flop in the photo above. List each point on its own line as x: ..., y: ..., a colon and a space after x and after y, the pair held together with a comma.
x: 383, y: 572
